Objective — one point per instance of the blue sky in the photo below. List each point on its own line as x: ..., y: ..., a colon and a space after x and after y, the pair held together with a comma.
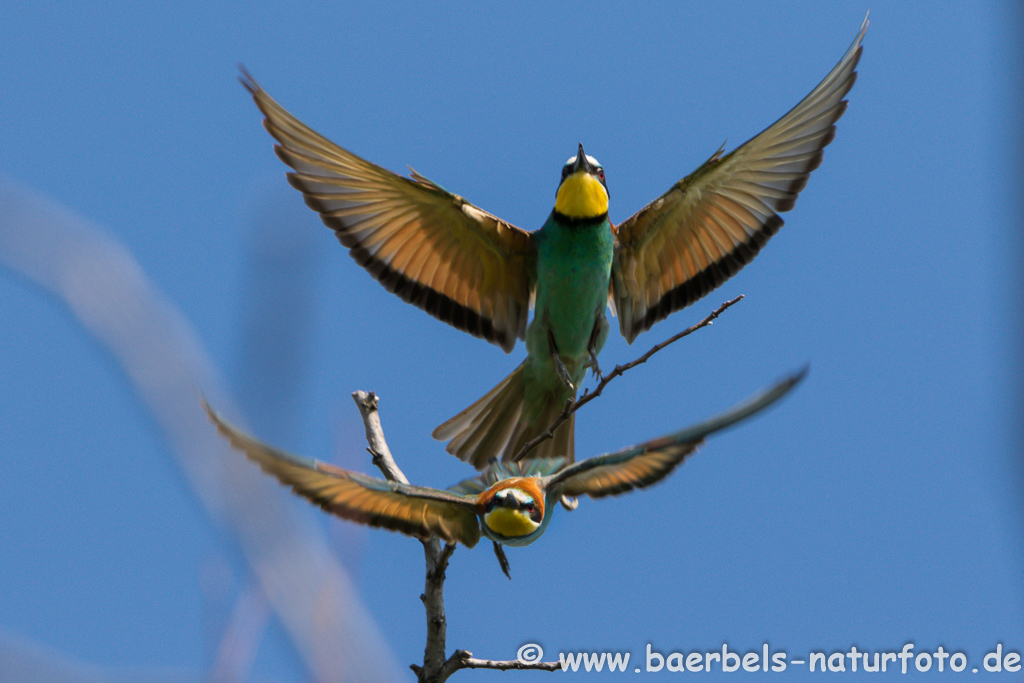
x: 879, y: 504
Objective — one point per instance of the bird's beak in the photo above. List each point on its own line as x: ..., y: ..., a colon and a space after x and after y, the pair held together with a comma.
x: 581, y: 163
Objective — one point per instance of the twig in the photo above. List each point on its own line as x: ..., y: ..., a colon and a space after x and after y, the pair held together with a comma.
x: 571, y: 405
x: 382, y: 458
x: 436, y: 558
x: 463, y: 659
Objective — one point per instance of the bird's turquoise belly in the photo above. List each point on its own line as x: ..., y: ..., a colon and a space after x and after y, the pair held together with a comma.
x: 573, y: 271
x: 573, y: 306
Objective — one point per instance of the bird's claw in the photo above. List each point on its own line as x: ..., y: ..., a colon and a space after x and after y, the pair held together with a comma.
x: 570, y: 503
x: 592, y: 364
x: 563, y: 374
x: 502, y: 560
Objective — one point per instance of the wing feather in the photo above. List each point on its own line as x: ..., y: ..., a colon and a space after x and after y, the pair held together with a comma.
x: 752, y: 184
x: 412, y: 510
x: 650, y: 462
x: 483, y: 271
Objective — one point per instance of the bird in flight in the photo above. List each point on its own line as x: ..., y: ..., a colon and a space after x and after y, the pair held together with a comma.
x: 481, y: 274
x: 509, y: 503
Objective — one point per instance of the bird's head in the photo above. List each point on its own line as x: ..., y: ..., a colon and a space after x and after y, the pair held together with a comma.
x: 513, y: 508
x: 582, y: 194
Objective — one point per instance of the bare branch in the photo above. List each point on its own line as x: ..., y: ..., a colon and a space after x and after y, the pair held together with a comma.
x: 436, y: 558
x: 463, y: 659
x: 572, y: 406
x: 433, y: 603
x: 436, y: 668
x: 382, y: 458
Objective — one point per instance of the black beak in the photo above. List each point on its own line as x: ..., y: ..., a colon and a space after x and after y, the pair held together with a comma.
x: 500, y: 500
x: 581, y: 162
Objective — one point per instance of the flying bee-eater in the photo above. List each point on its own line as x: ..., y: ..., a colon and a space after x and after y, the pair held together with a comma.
x: 479, y: 273
x: 509, y: 503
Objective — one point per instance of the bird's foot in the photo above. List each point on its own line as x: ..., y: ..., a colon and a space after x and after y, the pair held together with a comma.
x: 592, y: 363
x: 570, y: 503
x: 563, y: 374
x: 502, y: 560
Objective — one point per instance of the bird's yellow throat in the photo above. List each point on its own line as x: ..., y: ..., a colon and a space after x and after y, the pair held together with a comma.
x: 581, y: 195
x: 511, y: 523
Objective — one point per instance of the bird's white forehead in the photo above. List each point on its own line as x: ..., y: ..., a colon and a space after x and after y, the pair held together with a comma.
x: 519, y: 495
x: 593, y: 162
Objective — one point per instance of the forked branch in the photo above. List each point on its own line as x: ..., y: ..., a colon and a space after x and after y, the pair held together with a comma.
x: 436, y: 667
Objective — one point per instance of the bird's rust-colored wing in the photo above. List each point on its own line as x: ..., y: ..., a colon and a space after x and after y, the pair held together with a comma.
x: 714, y: 221
x: 412, y: 510
x: 430, y: 247
x: 649, y: 463
x: 636, y: 472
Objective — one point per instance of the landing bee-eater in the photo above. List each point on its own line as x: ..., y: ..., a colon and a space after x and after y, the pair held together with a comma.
x: 510, y: 503
x: 479, y: 273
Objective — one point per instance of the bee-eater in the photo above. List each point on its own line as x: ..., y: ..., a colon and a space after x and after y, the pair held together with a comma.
x: 510, y: 503
x: 479, y: 273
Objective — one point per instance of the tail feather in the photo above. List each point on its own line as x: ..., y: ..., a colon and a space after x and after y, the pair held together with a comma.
x: 481, y: 431
x: 563, y: 444
x: 486, y: 435
x: 458, y: 423
x: 494, y: 427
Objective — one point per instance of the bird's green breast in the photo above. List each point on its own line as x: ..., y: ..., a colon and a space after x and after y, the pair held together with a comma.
x: 573, y: 270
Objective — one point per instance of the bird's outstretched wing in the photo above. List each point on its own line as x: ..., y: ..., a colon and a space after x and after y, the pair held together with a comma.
x: 714, y: 221
x: 413, y: 510
x: 430, y: 247
x: 648, y: 463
